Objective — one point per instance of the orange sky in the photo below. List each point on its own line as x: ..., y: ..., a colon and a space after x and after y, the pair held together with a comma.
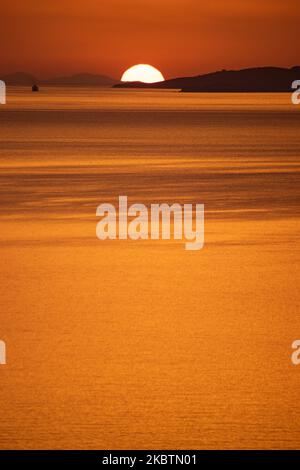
x: 180, y: 37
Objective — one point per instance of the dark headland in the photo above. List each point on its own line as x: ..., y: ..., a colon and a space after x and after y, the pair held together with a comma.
x: 262, y: 79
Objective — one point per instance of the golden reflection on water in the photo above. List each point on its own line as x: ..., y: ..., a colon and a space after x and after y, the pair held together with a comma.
x: 142, y: 344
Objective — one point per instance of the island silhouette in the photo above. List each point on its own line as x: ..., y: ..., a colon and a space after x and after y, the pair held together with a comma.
x: 258, y: 79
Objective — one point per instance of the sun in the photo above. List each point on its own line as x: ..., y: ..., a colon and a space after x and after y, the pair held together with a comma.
x: 142, y: 73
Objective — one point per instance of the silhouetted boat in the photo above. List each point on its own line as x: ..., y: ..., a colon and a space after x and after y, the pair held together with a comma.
x: 35, y: 88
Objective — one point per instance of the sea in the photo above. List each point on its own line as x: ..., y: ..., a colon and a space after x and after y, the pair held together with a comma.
x: 141, y: 344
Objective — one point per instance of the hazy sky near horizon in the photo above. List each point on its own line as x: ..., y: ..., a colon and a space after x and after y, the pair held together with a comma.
x: 180, y: 37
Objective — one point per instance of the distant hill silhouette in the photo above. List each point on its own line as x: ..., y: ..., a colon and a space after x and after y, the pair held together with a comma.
x: 83, y: 79
x: 19, y: 79
x: 261, y: 79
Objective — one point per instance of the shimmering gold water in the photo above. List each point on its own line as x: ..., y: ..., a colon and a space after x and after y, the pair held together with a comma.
x: 115, y: 345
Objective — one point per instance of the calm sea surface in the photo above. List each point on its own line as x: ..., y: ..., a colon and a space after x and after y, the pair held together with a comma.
x: 141, y: 344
